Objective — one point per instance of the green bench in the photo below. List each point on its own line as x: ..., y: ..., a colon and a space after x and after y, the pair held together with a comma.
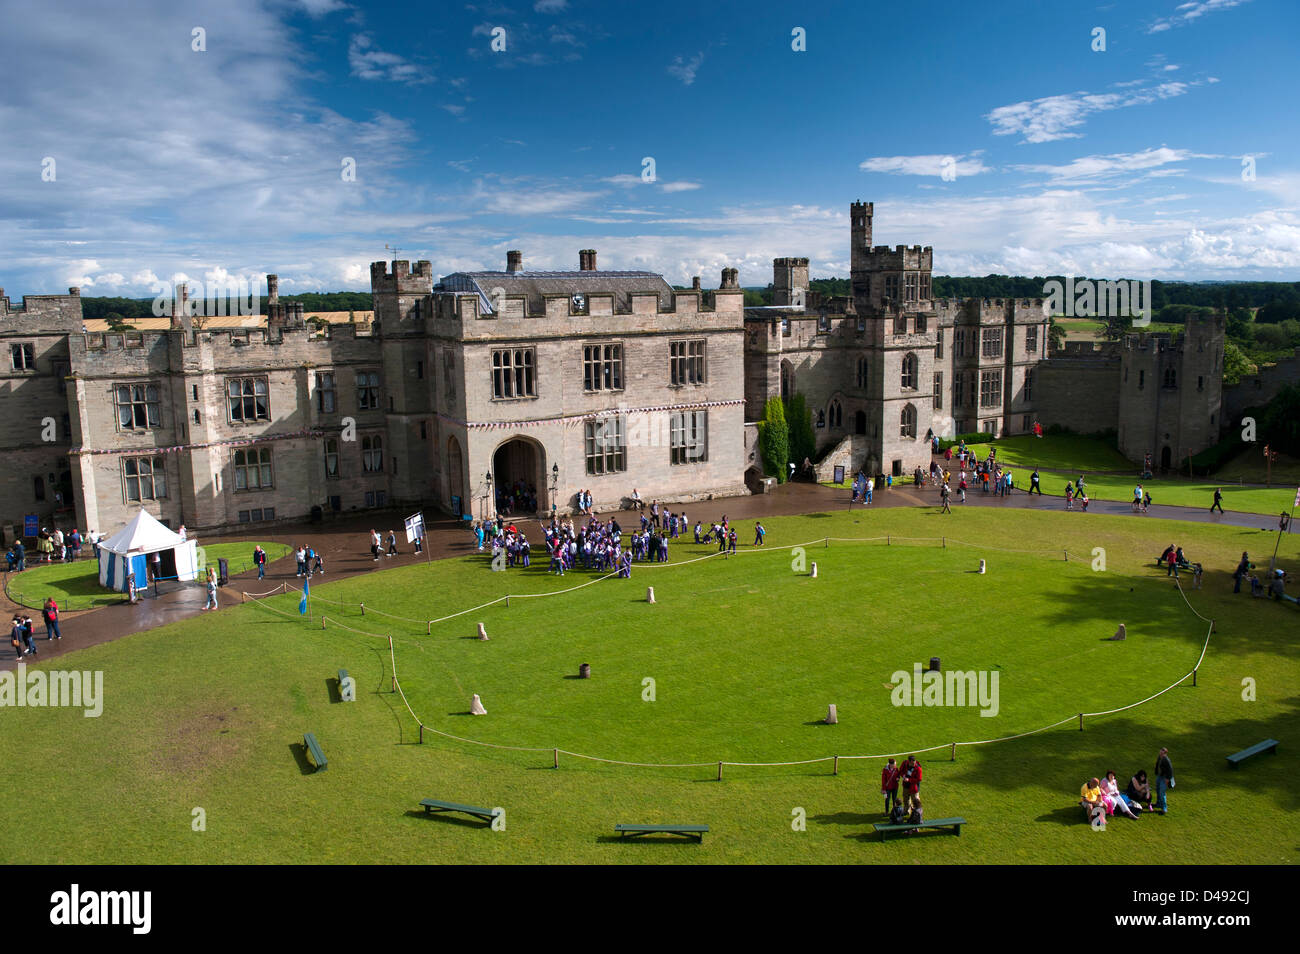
x: 432, y: 805
x: 344, y: 694
x: 1268, y: 745
x: 317, y: 754
x: 953, y: 823
x: 686, y: 831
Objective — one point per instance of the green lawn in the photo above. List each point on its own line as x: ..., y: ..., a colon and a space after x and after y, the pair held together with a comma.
x: 76, y: 585
x: 745, y: 655
x: 1061, y: 452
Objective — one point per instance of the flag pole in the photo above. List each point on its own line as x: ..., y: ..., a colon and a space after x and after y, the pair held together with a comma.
x: 1272, y: 566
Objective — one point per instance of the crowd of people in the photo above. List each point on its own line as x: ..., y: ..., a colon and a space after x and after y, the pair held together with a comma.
x: 52, y: 546
x: 1101, y: 798
x: 600, y: 545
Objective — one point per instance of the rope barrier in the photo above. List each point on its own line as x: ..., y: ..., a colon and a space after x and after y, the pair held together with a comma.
x: 556, y: 752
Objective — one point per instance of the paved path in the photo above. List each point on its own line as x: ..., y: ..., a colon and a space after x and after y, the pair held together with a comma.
x: 345, y: 546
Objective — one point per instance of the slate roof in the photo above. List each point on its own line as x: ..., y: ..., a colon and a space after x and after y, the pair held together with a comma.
x: 535, y: 284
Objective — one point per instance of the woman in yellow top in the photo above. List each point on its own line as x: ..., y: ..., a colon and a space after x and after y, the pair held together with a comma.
x: 1090, y: 799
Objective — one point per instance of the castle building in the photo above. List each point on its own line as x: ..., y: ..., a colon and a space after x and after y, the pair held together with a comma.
x: 551, y: 382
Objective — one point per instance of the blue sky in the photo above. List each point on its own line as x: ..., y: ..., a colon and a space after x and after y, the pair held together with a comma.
x: 174, y: 164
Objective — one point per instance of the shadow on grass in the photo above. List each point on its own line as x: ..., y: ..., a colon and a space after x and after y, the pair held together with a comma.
x: 848, y: 818
x: 333, y: 690
x: 460, y: 821
x: 1070, y: 816
x: 661, y: 840
x: 299, y: 752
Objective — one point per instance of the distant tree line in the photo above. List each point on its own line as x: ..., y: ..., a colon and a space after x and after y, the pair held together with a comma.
x: 131, y: 308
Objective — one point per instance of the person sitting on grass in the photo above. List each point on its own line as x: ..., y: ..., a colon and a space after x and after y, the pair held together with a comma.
x: 1112, y: 797
x: 1138, y: 792
x: 1090, y: 800
x: 1256, y: 587
x: 916, y: 816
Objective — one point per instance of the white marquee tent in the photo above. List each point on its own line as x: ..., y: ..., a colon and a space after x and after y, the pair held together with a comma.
x: 131, y: 549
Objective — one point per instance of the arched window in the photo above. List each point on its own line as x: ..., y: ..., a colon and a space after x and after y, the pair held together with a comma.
x: 1171, y: 378
x: 787, y: 380
x: 863, y: 369
x: 909, y: 373
x: 907, y: 422
x: 836, y: 416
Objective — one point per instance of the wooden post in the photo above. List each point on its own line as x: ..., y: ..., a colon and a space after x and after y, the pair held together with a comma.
x: 363, y: 609
x: 953, y: 756
x: 945, y: 542
x: 719, y: 771
x: 1193, y: 678
x: 422, y: 733
x: 836, y: 769
x: 886, y: 539
x: 428, y: 628
x: 394, y: 689
x: 827, y: 541
x: 557, y: 758
x: 322, y: 622
x: 1080, y: 721
x: 507, y: 601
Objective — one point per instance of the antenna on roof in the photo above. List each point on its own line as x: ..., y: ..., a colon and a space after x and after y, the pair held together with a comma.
x: 392, y: 249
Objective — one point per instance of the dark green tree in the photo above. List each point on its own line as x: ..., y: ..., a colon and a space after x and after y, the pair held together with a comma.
x: 774, y: 440
x: 803, y: 439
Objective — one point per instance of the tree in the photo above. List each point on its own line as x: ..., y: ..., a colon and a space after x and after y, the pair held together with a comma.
x: 1280, y: 422
x: 774, y: 440
x: 803, y: 441
x: 116, y: 322
x: 1055, y: 337
x: 1235, y: 364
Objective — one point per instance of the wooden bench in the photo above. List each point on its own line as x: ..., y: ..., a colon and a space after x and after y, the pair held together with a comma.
x: 1268, y: 745
x: 432, y: 805
x: 345, y: 696
x: 686, y: 831
x: 953, y: 823
x: 317, y: 754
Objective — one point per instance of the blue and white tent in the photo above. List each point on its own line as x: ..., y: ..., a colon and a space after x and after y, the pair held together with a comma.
x: 132, y: 549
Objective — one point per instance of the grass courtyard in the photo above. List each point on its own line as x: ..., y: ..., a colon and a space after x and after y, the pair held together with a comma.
x: 76, y: 586
x: 745, y: 655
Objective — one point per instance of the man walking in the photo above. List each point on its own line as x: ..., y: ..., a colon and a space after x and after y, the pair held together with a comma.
x: 1137, y: 498
x: 759, y: 533
x: 259, y: 558
x: 1218, y: 500
x: 945, y: 493
x: 871, y: 484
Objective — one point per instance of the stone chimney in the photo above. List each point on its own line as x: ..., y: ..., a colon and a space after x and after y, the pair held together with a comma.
x: 272, y: 289
x: 181, y: 309
x: 74, y: 291
x: 695, y: 283
x: 514, y: 261
x: 587, y: 260
x: 730, y: 278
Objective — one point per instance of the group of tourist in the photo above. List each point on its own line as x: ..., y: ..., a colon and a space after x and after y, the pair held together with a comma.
x: 1101, y: 798
x: 377, y: 545
x: 309, y: 560
x: 1276, y: 587
x: 906, y: 777
x: 1173, y: 559
x: 23, y: 636
x: 518, y: 497
x: 51, y: 546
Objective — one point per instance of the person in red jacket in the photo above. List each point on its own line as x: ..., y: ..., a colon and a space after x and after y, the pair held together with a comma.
x: 889, y: 784
x: 911, y: 781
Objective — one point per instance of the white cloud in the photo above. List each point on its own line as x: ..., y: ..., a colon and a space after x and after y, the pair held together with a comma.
x: 686, y: 70
x: 934, y: 165
x: 551, y: 6
x: 369, y: 63
x: 679, y: 186
x: 1100, y: 167
x: 319, y: 8
x: 1189, y: 12
x: 1054, y: 117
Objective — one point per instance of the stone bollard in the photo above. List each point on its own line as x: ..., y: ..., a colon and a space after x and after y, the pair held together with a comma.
x: 584, y: 671
x: 981, y: 566
x: 476, y: 706
x: 649, y: 594
x: 814, y: 571
x: 832, y: 717
x: 482, y: 632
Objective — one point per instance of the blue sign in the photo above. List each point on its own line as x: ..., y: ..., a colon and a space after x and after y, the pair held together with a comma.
x: 31, y: 525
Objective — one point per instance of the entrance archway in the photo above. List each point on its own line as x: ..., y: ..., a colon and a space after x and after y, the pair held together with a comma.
x: 519, y: 476
x: 860, y: 422
x: 456, y: 478
x: 1166, y: 458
